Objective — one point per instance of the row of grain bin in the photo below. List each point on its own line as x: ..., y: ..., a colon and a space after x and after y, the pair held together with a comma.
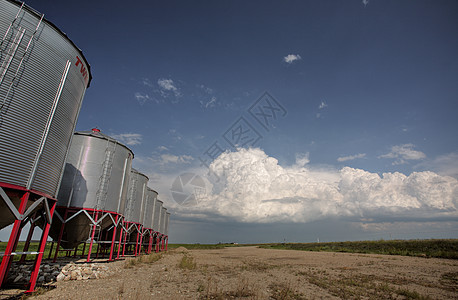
x: 43, y: 79
x: 103, y: 200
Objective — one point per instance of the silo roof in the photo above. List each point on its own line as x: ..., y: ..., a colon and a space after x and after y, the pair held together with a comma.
x: 97, y: 134
x: 38, y: 14
x: 136, y: 171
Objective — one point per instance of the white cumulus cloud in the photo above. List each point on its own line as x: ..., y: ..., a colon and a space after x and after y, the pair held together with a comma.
x: 403, y: 153
x: 290, y: 58
x: 129, y: 138
x: 253, y: 187
x: 351, y: 157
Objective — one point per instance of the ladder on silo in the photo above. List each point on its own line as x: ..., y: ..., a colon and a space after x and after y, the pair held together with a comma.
x: 131, y: 196
x: 104, y: 179
x: 11, y: 48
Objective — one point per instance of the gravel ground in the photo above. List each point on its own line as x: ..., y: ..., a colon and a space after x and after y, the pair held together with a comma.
x: 254, y: 273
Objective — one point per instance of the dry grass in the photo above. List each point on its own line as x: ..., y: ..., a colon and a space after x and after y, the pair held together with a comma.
x: 143, y: 259
x: 243, y: 289
x: 187, y: 263
x: 284, y: 291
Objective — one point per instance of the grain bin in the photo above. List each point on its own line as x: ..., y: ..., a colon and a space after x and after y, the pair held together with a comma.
x: 135, y: 197
x: 162, y: 228
x: 151, y: 198
x: 157, y: 215
x: 148, y: 232
x: 135, y: 205
x: 157, y: 223
x: 166, y: 229
x: 166, y: 226
x: 94, y: 187
x: 163, y: 217
x: 43, y: 78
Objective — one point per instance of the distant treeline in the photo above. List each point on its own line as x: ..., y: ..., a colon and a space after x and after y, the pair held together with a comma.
x: 445, y: 248
x: 422, y: 248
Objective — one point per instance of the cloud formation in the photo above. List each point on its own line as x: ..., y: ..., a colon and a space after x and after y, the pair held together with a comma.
x: 403, y: 153
x: 445, y: 164
x: 176, y: 159
x: 167, y: 85
x: 129, y: 139
x: 253, y: 187
x: 209, y: 103
x: 290, y: 58
x: 142, y: 97
x: 351, y: 157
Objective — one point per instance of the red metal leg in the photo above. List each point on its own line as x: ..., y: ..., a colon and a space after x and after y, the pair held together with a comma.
x: 119, y: 244
x: 150, y: 243
x: 12, y: 242
x: 124, y: 246
x: 113, y: 239
x: 41, y: 249
x: 141, y: 244
x: 92, y: 238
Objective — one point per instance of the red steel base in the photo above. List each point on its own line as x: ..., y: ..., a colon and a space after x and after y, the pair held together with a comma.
x: 96, y: 217
x: 22, y: 217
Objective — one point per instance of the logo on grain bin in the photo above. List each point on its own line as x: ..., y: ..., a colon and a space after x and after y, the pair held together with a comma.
x: 83, y: 69
x: 187, y: 189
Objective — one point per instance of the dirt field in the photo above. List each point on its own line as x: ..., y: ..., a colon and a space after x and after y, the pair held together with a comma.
x: 253, y: 273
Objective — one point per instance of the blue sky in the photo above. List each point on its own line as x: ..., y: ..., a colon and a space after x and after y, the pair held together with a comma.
x: 367, y: 85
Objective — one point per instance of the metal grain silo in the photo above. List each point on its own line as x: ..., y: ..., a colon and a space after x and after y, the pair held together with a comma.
x: 135, y: 197
x: 135, y: 205
x: 157, y: 223
x: 151, y: 198
x: 148, y: 232
x: 43, y: 78
x: 157, y: 215
x: 94, y: 187
x: 166, y: 226
x: 160, y: 238
x: 165, y: 242
x: 163, y: 215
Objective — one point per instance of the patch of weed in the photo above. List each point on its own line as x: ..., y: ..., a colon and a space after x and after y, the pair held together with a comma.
x: 187, y: 263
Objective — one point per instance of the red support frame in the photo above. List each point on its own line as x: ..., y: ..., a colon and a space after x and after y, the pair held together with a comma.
x: 41, y: 249
x: 97, y: 216
x: 21, y: 217
x: 129, y: 228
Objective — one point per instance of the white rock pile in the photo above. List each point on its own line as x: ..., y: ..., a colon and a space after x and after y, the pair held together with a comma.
x: 50, y: 272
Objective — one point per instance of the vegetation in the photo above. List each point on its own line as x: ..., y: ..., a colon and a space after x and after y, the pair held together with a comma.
x: 445, y: 248
x: 142, y: 259
x: 422, y: 248
x: 187, y: 263
x: 34, y: 247
x: 199, y: 246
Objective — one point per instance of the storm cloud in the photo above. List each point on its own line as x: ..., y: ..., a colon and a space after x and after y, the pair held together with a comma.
x: 249, y: 186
